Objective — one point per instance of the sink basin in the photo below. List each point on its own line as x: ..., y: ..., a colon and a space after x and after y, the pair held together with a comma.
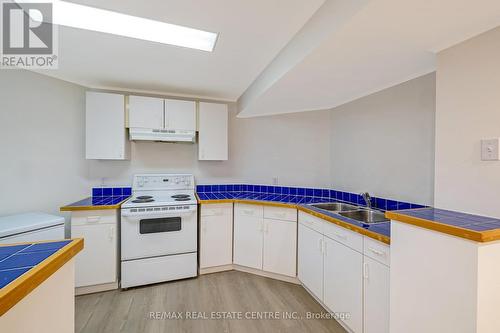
x: 366, y: 216
x: 335, y: 206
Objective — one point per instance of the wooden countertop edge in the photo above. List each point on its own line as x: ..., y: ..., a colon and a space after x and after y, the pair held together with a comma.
x: 15, y: 291
x: 477, y: 236
x: 70, y: 208
x: 359, y: 230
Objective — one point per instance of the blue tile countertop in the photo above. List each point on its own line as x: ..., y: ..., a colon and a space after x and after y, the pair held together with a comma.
x: 18, y: 259
x: 23, y: 267
x: 468, y: 226
x: 379, y: 231
x: 102, y: 198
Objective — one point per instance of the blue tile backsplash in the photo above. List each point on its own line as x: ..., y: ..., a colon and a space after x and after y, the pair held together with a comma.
x: 310, y: 194
x: 111, y: 191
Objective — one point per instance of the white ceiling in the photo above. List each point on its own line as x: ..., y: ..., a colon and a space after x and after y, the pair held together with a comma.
x: 251, y: 32
x: 385, y: 42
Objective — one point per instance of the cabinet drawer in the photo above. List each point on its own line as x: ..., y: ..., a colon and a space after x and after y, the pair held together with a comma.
x: 248, y: 210
x: 312, y: 222
x: 105, y: 216
x: 377, y: 250
x: 217, y: 209
x: 280, y: 213
x: 344, y: 236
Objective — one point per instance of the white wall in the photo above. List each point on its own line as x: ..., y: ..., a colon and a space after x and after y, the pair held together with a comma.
x: 42, y: 147
x: 384, y: 143
x: 42, y: 163
x: 467, y: 110
x: 42, y: 156
x: 295, y: 148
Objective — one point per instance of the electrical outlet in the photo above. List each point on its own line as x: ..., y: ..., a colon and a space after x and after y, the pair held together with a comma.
x: 490, y: 149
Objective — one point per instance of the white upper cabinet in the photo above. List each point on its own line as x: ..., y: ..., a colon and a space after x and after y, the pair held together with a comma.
x: 145, y: 112
x: 105, y: 132
x: 213, y: 132
x: 158, y: 113
x: 180, y: 115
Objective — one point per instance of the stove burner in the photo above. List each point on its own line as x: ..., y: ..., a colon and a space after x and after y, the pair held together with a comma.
x: 183, y: 199
x: 144, y: 197
x: 180, y: 196
x: 143, y: 200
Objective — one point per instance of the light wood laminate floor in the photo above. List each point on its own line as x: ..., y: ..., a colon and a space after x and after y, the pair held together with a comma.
x: 130, y: 310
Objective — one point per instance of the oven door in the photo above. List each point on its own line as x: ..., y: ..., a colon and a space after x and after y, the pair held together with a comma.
x: 158, y: 234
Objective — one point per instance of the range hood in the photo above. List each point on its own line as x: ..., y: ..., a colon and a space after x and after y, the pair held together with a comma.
x: 163, y: 135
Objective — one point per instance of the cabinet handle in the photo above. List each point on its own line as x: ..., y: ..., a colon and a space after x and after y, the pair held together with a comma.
x: 320, y: 245
x: 365, y: 270
x: 93, y: 219
x: 377, y: 252
x: 111, y: 233
x: 341, y: 236
x: 164, y: 120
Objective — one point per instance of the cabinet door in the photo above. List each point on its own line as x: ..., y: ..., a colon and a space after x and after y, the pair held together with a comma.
x: 96, y: 263
x: 248, y: 239
x: 180, y: 115
x: 376, y: 296
x: 213, y: 132
x: 310, y: 260
x: 280, y: 241
x: 216, y: 240
x: 105, y: 133
x: 145, y: 112
x: 343, y: 286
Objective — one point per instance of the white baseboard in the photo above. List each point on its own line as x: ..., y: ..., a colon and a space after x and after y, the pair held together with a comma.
x: 215, y: 269
x: 231, y: 267
x: 95, y: 289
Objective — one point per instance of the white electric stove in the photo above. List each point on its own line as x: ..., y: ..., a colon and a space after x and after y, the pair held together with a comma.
x: 159, y: 230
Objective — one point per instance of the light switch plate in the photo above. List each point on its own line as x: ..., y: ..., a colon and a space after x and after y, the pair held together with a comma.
x: 490, y: 149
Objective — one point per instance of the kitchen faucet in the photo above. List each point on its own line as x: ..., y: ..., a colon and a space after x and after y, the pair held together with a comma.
x: 368, y: 199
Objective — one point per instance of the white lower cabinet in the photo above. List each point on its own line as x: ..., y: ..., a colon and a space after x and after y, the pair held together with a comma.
x: 343, y: 283
x: 352, y: 281
x: 216, y: 235
x: 310, y: 259
x: 97, y: 263
x: 376, y: 296
x: 248, y: 235
x: 279, y: 254
x: 268, y: 244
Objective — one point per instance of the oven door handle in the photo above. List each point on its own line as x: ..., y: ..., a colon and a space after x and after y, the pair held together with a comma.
x: 158, y: 214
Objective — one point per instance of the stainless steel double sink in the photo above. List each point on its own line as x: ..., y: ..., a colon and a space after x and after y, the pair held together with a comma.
x: 360, y: 214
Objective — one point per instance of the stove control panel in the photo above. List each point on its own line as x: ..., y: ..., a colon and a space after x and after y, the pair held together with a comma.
x: 159, y: 182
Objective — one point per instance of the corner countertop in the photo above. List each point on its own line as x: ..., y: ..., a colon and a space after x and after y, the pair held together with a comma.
x: 96, y: 203
x: 23, y: 267
x: 380, y: 231
x: 472, y: 227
